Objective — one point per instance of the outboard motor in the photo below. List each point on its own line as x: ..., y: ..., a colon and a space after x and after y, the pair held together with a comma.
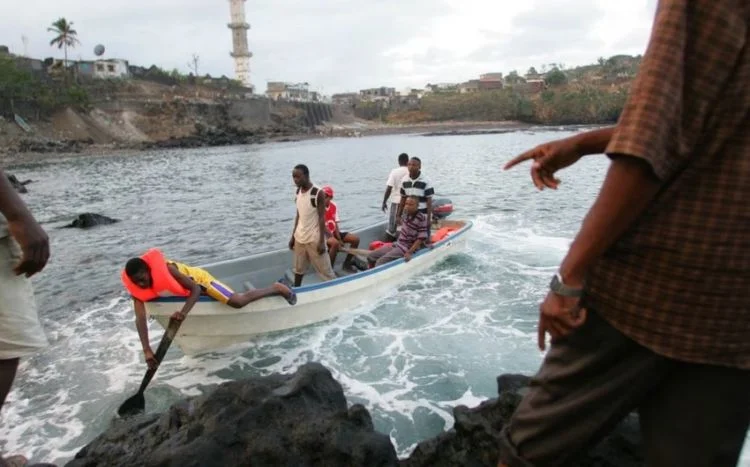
x: 442, y: 208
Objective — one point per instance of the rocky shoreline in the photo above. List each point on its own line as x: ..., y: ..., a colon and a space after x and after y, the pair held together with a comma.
x: 40, y: 149
x: 303, y: 418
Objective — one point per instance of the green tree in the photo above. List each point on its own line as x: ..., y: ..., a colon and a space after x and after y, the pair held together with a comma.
x: 65, y: 36
x: 555, y: 77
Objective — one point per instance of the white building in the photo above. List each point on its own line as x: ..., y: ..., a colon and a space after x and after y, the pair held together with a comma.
x: 111, y: 68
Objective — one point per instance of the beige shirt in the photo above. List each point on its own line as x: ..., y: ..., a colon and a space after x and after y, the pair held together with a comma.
x: 308, y: 226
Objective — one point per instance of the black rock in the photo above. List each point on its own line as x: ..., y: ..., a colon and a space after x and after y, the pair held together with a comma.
x: 89, y: 219
x: 474, y: 439
x: 300, y: 419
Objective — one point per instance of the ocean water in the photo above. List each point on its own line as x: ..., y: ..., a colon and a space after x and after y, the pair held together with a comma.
x: 438, y: 341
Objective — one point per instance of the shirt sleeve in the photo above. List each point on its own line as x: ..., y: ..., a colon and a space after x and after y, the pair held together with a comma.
x: 691, y: 54
x: 391, y: 179
x: 428, y: 190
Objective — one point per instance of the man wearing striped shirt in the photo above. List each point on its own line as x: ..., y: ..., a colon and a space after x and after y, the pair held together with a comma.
x: 415, y: 184
x: 411, y: 238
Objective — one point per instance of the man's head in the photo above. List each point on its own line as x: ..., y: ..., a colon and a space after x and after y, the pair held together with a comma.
x: 301, y: 175
x: 139, y: 272
x: 412, y: 205
x: 403, y: 159
x: 414, y: 166
x: 328, y: 194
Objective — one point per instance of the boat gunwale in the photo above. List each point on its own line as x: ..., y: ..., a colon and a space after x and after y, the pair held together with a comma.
x: 333, y: 282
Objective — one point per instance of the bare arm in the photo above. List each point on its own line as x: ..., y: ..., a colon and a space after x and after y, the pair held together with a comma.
x: 321, y: 205
x: 387, y: 195
x: 628, y: 188
x: 400, y: 209
x: 416, y: 245
x: 294, y: 229
x: 141, y: 325
x: 429, y: 212
x: 188, y: 283
x: 22, y: 226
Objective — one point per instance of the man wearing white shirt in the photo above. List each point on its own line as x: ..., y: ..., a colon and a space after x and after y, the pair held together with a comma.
x: 393, y: 192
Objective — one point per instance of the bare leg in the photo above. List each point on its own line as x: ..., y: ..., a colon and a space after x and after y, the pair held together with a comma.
x: 241, y: 299
x: 7, y: 375
x: 352, y: 240
x: 333, y: 249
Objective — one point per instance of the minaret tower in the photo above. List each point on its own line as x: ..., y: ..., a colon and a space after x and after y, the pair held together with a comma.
x: 240, y: 51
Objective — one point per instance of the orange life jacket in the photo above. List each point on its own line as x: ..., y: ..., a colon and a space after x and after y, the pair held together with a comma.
x: 442, y: 233
x: 161, y: 279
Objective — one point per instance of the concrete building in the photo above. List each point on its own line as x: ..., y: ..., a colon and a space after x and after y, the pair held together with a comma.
x: 295, y: 92
x: 345, y: 98
x: 469, y: 86
x: 490, y: 81
x: 377, y: 94
x: 491, y: 77
x: 112, y: 68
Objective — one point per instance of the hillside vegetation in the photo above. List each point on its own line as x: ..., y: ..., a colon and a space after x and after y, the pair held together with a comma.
x: 584, y: 95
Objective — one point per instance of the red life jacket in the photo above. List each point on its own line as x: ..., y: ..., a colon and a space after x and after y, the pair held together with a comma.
x: 161, y: 279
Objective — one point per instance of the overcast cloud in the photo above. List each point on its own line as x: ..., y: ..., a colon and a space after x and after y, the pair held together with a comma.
x: 341, y: 45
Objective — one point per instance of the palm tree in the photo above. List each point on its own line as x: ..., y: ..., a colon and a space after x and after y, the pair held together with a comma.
x: 66, y: 36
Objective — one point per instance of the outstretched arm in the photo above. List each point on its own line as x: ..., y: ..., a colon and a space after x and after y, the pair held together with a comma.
x: 555, y: 155
x: 188, y: 283
x: 142, y: 326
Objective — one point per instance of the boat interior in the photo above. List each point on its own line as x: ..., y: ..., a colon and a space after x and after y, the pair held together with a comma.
x: 262, y: 270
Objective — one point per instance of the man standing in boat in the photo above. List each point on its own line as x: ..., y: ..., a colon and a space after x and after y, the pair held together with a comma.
x: 415, y: 184
x: 308, y: 236
x: 392, y: 196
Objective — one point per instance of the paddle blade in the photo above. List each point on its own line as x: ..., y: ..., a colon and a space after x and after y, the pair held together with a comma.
x: 132, y: 406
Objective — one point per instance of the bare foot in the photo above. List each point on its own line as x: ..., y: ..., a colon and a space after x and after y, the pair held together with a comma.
x: 286, y: 292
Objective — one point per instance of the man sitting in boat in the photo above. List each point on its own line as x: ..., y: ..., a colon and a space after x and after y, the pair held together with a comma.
x: 151, y: 276
x: 308, y: 236
x: 336, y: 238
x: 411, y: 238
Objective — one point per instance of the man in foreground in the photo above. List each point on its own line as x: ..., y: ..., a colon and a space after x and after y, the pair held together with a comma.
x: 24, y: 251
x: 412, y: 237
x: 151, y: 276
x: 648, y: 310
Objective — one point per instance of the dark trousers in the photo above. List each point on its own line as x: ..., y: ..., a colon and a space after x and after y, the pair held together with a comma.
x: 690, y: 414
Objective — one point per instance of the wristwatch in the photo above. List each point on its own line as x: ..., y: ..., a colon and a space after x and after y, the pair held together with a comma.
x: 556, y: 285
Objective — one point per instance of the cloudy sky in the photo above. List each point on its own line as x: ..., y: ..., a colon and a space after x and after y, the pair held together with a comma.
x: 342, y: 45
